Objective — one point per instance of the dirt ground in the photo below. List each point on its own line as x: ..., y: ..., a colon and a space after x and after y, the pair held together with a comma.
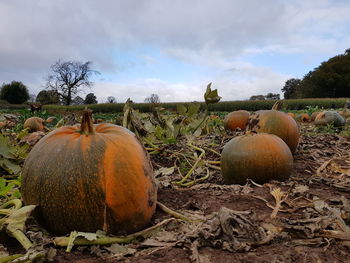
x: 311, y: 224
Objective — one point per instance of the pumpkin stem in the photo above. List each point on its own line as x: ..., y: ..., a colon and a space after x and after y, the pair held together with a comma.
x: 87, y: 126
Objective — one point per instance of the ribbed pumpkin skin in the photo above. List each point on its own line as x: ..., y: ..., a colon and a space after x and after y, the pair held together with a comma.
x: 280, y: 124
x: 260, y: 157
x: 89, y: 182
x: 34, y: 124
x: 236, y: 119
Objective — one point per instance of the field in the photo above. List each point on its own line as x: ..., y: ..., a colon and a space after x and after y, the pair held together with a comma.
x: 198, y: 218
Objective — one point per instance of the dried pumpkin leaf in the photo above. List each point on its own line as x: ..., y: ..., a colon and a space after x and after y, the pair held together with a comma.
x: 211, y: 96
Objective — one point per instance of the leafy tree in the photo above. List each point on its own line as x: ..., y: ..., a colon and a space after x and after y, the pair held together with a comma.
x: 111, y: 99
x: 154, y: 99
x: 257, y: 97
x: 48, y: 97
x: 290, y: 88
x: 15, y: 92
x: 272, y: 96
x: 78, y: 100
x: 90, y: 99
x: 68, y: 78
x: 331, y: 79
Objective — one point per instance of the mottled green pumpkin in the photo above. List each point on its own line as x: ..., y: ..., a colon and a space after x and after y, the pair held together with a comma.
x: 260, y: 157
x: 277, y: 123
x: 90, y: 177
x: 329, y: 117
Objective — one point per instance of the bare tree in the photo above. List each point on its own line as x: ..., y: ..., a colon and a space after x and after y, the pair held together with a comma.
x: 68, y: 78
x: 111, y: 99
x: 154, y: 99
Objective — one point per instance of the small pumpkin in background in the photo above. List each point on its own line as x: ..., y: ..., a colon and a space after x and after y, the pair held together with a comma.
x: 34, y: 124
x: 304, y: 117
x: 329, y: 117
x: 260, y: 157
x: 2, y: 124
x: 291, y: 114
x: 277, y: 123
x: 236, y: 119
x: 50, y: 119
x: 345, y: 113
x: 313, y: 115
x: 90, y: 177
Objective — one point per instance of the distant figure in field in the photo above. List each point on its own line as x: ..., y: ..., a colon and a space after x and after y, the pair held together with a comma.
x: 34, y: 108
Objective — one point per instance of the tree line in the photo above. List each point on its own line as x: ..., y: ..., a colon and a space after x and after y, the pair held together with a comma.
x: 67, y: 79
x: 329, y: 80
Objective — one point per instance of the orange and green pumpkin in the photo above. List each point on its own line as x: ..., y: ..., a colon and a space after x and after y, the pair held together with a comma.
x: 329, y: 117
x: 277, y: 123
x: 304, y: 117
x: 257, y: 156
x: 34, y: 124
x: 90, y: 177
x: 236, y: 119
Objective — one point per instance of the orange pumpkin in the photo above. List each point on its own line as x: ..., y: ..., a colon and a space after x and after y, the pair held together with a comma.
x: 236, y: 119
x: 304, y: 117
x: 34, y: 124
x: 291, y: 114
x: 50, y: 119
x: 2, y: 124
x: 314, y: 114
x: 278, y: 123
x: 260, y: 157
x: 89, y: 177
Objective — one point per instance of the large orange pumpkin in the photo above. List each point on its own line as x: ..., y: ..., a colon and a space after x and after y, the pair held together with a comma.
x: 34, y: 124
x: 89, y: 177
x: 236, y: 119
x: 260, y: 157
x: 278, y: 123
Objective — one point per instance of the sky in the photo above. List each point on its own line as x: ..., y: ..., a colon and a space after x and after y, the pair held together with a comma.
x: 172, y: 48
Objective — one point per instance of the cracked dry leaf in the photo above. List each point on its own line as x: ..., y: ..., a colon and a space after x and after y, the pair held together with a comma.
x: 120, y: 250
x: 16, y: 220
x: 233, y: 231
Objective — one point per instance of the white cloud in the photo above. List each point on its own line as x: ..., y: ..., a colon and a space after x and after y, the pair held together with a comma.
x: 207, y: 33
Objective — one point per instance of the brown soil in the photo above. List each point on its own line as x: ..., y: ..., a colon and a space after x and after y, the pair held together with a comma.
x: 207, y: 198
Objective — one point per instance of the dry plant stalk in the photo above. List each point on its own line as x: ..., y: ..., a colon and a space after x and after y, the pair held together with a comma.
x: 280, y: 197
